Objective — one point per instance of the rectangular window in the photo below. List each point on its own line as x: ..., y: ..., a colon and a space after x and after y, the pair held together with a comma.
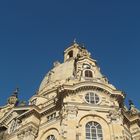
x: 51, y: 117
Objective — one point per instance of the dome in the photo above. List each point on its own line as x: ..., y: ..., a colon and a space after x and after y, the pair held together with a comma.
x: 60, y: 72
x: 77, y: 66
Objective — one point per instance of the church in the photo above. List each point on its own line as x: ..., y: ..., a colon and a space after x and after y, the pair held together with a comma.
x: 75, y: 101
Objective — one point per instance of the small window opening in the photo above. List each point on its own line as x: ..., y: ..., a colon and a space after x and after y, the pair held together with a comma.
x: 51, y: 117
x: 70, y: 54
x: 88, y: 73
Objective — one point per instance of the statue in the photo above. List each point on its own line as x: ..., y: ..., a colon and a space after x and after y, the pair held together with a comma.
x: 13, y: 99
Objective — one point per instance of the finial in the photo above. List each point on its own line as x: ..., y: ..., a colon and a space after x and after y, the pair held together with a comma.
x: 132, y: 108
x: 131, y: 103
x: 16, y: 92
x: 83, y: 46
x: 74, y: 41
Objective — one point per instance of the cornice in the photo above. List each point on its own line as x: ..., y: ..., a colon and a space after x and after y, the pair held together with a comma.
x: 79, y: 85
x: 43, y: 92
x: 72, y: 46
x: 6, y: 106
x: 46, y: 111
x: 46, y: 104
x: 38, y: 96
x: 29, y: 113
x: 88, y: 85
x: 131, y: 118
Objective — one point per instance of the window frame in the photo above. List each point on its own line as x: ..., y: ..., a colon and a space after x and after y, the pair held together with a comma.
x: 92, y: 99
x: 93, y: 131
x: 88, y: 75
x: 51, y: 117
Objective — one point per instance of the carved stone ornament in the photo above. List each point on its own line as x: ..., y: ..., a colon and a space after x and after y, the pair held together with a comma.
x: 69, y: 111
x: 30, y: 133
x: 72, y: 110
x: 114, y: 115
x: 84, y: 52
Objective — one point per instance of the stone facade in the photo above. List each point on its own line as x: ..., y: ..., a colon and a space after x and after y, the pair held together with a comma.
x: 74, y: 102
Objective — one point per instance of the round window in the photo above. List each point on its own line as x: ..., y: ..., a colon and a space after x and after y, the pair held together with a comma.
x: 92, y: 98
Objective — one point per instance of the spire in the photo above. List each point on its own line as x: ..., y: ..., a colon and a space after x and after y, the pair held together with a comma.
x: 131, y: 103
x: 16, y: 92
x: 74, y: 41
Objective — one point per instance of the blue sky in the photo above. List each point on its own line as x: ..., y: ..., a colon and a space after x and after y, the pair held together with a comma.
x: 34, y: 34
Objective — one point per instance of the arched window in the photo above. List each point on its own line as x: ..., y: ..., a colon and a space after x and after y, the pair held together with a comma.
x: 70, y: 54
x: 51, y: 137
x: 88, y: 73
x: 94, y: 131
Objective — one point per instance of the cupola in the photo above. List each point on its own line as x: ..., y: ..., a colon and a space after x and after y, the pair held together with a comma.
x: 75, y: 51
x: 71, y: 52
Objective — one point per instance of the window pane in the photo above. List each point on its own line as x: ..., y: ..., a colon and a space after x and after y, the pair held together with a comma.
x: 93, y: 131
x: 88, y: 73
x: 92, y: 98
